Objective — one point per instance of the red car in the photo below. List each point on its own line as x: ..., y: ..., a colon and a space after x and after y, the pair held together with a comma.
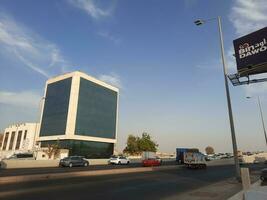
x: 150, y: 162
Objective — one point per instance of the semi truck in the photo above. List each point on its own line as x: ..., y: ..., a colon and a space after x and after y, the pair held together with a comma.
x: 181, y: 151
x: 194, y: 160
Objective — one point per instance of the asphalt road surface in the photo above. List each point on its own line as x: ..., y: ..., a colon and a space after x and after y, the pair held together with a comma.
x: 29, y: 171
x: 134, y: 163
x: 147, y: 185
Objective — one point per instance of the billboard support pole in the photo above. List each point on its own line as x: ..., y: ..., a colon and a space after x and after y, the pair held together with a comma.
x: 262, y: 120
x: 231, y: 120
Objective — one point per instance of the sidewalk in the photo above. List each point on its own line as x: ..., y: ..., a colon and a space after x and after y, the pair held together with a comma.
x: 218, y: 191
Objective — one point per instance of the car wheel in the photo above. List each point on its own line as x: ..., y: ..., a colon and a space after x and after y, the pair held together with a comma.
x: 85, y: 164
x: 70, y: 165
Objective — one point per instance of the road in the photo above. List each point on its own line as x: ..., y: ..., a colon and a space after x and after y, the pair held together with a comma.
x: 148, y: 185
x: 134, y: 163
x: 29, y: 171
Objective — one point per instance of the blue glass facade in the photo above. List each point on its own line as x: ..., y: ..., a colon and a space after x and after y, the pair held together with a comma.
x: 97, y: 111
x: 88, y: 149
x: 56, y: 106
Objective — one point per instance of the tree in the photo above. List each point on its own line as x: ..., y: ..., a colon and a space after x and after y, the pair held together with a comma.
x: 132, y: 145
x: 52, y: 149
x: 146, y: 143
x: 135, y: 145
x: 209, y: 150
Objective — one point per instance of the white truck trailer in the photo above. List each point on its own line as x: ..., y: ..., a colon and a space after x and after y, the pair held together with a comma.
x: 194, y: 160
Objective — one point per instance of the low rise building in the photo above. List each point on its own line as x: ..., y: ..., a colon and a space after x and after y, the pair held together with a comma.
x: 18, y: 138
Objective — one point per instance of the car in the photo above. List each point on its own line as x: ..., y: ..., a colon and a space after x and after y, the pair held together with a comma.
x: 263, y: 176
x: 73, y: 161
x: 118, y: 160
x: 150, y: 162
x: 159, y: 159
x: 207, y: 158
x: 21, y: 156
x: 256, y: 162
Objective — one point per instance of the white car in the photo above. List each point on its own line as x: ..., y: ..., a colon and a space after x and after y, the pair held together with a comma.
x: 118, y: 160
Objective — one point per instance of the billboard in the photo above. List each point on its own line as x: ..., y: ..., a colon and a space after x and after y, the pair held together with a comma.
x: 251, y: 53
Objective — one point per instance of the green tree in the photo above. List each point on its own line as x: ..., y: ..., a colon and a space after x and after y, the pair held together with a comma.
x: 209, y: 150
x: 145, y: 143
x: 136, y: 145
x: 132, y: 145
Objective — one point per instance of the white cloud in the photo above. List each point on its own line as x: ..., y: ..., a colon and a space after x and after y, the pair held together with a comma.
x: 30, y: 49
x: 112, y: 79
x: 231, y: 63
x: 90, y: 7
x: 109, y: 36
x: 27, y: 99
x: 248, y: 16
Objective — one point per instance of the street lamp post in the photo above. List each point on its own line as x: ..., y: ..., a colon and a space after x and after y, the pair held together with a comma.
x: 262, y: 120
x: 231, y: 120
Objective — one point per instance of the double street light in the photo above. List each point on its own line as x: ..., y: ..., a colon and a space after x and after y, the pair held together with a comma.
x: 231, y: 120
x: 262, y: 120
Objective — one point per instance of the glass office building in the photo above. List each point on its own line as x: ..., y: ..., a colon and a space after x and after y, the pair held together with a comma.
x: 80, y: 113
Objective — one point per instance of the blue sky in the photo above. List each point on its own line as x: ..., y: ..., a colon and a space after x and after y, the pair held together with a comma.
x: 168, y: 70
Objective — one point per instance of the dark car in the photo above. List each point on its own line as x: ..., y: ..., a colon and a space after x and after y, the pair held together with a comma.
x: 73, y: 161
x: 263, y: 174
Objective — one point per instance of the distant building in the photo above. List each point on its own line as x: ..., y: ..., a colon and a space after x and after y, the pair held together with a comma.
x: 80, y: 114
x: 18, y: 138
x: 1, y: 139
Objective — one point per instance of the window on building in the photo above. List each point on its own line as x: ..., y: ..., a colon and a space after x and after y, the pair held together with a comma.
x: 56, y: 106
x: 25, y: 135
x: 88, y: 149
x: 5, y: 141
x: 12, y: 140
x: 18, y: 140
x: 96, y: 112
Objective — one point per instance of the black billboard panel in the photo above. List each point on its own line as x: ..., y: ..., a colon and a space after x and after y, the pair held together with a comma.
x: 251, y: 53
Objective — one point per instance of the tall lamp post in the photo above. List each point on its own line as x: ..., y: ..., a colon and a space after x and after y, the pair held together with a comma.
x: 231, y: 120
x: 262, y: 120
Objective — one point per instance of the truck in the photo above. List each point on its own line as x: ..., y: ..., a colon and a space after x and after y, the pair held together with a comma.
x: 180, y: 153
x: 194, y: 160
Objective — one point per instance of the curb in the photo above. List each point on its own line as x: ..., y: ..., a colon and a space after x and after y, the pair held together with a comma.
x: 240, y: 195
x: 65, y: 175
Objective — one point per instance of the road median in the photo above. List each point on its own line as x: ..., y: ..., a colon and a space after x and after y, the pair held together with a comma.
x: 65, y: 175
